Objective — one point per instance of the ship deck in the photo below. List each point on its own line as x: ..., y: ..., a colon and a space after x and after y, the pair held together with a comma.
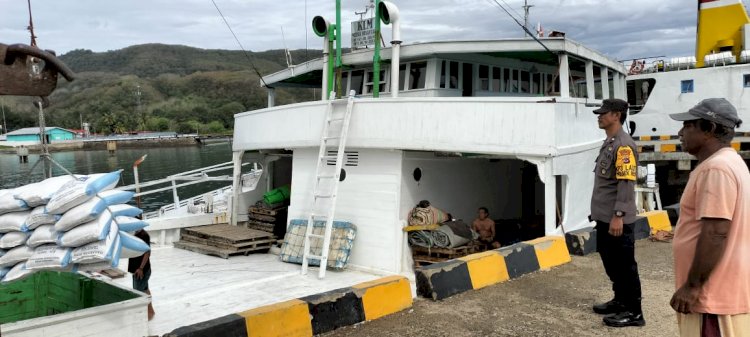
x: 189, y: 288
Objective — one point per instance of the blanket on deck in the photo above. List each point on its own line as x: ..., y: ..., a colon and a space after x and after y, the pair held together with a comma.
x: 423, y: 216
x: 446, y: 236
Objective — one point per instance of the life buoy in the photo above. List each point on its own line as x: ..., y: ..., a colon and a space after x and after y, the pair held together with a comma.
x: 636, y: 67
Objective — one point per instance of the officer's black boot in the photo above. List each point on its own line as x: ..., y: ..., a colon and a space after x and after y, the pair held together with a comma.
x: 607, y: 308
x: 631, y: 316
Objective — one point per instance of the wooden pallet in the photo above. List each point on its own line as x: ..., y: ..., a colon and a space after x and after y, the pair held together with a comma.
x: 226, y: 246
x: 260, y: 210
x: 226, y: 233
x: 261, y: 226
x: 224, y: 240
x: 423, y: 254
x: 264, y: 211
x: 216, y: 251
x: 261, y: 217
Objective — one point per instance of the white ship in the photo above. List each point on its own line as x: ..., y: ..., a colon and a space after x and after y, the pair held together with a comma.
x: 502, y: 124
x: 720, y: 68
x: 462, y: 124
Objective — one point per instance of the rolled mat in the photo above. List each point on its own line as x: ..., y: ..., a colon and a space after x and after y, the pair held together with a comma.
x: 421, y: 238
x: 445, y: 238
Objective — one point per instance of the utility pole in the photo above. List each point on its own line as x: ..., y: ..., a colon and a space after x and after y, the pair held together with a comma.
x: 138, y: 101
x: 526, y: 8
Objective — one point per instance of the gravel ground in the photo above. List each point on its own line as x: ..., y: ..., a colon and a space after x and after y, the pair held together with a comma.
x: 556, y: 302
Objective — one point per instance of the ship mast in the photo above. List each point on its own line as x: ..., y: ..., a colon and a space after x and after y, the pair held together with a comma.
x: 526, y: 8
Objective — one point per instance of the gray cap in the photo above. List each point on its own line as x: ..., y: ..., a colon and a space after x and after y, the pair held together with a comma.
x: 717, y: 110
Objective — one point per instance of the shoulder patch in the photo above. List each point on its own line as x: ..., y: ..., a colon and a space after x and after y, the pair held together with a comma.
x: 625, y: 165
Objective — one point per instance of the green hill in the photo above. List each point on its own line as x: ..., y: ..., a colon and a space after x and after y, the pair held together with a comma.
x: 182, y: 89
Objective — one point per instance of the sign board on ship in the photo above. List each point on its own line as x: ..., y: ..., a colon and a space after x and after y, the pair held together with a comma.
x: 363, y: 33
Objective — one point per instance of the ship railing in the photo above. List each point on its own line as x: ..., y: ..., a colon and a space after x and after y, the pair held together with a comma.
x: 248, y: 182
x: 184, y: 204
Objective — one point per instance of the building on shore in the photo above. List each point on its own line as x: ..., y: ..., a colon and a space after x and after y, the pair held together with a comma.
x: 52, y: 133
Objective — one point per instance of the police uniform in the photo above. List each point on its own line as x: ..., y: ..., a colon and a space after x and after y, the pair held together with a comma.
x: 614, y: 195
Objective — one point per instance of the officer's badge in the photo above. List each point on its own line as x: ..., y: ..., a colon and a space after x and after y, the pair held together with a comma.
x: 625, y: 165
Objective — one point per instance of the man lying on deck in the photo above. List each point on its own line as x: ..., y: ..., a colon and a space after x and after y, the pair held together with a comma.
x: 485, y: 227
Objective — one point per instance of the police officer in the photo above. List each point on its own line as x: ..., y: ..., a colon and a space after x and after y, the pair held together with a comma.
x: 613, y: 209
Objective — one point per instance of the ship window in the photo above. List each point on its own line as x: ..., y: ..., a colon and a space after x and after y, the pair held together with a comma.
x: 453, y: 75
x: 512, y: 81
x: 536, y: 83
x: 508, y: 79
x: 496, y: 80
x: 442, y: 73
x: 417, y: 75
x: 687, y: 86
x: 369, y: 83
x: 484, y: 78
x: 401, y: 76
x: 746, y: 80
x: 356, y: 81
x: 525, y: 81
x: 449, y: 75
x: 345, y: 82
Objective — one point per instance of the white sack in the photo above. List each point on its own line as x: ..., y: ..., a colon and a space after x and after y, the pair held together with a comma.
x: 44, y: 234
x: 89, y: 232
x: 13, y: 222
x: 16, y: 255
x: 49, y: 257
x: 37, y: 218
x: 13, y: 239
x: 76, y: 192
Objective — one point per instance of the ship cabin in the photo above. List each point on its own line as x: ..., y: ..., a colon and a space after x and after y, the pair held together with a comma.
x: 471, y: 124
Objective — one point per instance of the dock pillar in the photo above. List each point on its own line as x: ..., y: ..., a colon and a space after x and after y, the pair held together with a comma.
x: 111, y: 146
x: 23, y: 154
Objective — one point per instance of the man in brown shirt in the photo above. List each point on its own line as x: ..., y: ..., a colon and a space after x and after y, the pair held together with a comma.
x: 613, y: 209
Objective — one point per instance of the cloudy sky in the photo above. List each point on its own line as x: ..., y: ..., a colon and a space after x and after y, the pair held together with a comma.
x: 621, y: 28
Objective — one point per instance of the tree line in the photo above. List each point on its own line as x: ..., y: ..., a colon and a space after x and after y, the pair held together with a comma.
x: 157, y: 88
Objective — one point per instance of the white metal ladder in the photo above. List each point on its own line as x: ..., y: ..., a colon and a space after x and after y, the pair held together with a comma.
x: 335, y: 131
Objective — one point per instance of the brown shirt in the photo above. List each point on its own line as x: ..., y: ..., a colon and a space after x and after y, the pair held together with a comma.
x: 614, y: 179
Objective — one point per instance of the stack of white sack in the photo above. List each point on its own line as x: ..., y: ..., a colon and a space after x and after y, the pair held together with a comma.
x: 67, y: 223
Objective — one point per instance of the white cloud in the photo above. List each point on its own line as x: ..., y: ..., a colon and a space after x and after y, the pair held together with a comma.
x: 622, y: 29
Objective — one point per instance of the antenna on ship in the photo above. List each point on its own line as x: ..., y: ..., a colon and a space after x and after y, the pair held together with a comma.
x: 526, y: 8
x: 368, y: 8
x: 525, y: 29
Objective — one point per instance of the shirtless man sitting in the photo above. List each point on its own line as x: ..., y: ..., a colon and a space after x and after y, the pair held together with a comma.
x: 485, y: 227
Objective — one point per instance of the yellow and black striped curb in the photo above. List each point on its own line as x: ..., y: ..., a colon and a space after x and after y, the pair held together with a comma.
x: 583, y: 241
x: 670, y: 143
x: 310, y: 315
x: 444, y: 279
